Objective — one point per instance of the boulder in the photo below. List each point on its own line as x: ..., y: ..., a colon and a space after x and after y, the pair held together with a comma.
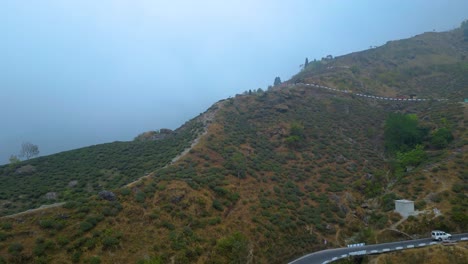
x: 51, y: 196
x: 107, y: 195
x: 73, y: 183
x: 26, y: 169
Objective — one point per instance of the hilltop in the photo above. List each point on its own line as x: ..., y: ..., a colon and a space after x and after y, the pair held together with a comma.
x: 267, y: 176
x: 432, y: 64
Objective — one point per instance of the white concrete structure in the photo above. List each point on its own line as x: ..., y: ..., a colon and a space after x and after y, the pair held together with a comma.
x: 404, y: 207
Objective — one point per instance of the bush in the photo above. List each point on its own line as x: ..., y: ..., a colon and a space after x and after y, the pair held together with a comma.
x: 51, y: 224
x: 94, y: 260
x: 6, y: 226
x: 441, y: 138
x: 152, y: 260
x: 388, y: 201
x: 413, y: 157
x: 62, y: 240
x: 15, y: 248
x: 76, y: 257
x: 232, y: 249
x: 402, y: 132
x: 125, y: 191
x: 86, y: 226
x: 217, y: 205
x: 140, y: 197
x: 3, y: 236
x: 110, y: 242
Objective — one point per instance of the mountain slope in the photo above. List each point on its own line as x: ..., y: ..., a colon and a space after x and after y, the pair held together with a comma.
x: 83, y: 172
x: 430, y: 64
x: 277, y: 174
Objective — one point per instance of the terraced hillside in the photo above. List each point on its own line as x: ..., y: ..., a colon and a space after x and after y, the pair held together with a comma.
x: 277, y: 174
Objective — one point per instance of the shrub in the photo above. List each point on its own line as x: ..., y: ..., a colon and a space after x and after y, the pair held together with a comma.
x: 62, y: 240
x: 402, y: 132
x: 140, y: 197
x: 110, y: 242
x: 94, y: 260
x: 6, y: 225
x: 151, y: 260
x: 87, y: 225
x: 441, y: 138
x: 232, y: 249
x: 51, y: 224
x: 15, y: 248
x: 125, y: 191
x: 217, y: 205
x: 76, y: 257
x: 413, y: 157
x: 3, y: 236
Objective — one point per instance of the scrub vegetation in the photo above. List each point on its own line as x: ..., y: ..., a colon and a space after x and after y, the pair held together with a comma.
x: 278, y: 174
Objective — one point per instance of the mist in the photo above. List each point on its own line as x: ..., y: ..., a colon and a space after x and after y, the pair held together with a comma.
x: 78, y: 73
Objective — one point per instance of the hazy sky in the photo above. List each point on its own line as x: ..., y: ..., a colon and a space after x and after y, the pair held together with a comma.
x: 82, y: 72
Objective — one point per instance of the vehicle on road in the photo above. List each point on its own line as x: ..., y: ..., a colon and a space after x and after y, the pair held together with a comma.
x: 440, y: 235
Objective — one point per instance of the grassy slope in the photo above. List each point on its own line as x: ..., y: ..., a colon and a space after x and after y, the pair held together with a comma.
x: 247, y: 193
x: 94, y: 169
x: 430, y: 64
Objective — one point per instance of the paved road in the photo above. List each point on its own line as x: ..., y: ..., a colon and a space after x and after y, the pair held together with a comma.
x: 329, y: 255
x: 370, y: 96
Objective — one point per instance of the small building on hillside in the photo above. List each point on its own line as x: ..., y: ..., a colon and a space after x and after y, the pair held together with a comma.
x: 404, y: 207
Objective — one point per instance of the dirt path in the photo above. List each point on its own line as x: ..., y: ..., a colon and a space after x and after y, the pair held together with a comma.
x: 41, y: 208
x: 175, y: 159
x: 206, y: 118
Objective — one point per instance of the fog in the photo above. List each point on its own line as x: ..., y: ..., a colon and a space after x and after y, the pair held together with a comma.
x: 78, y: 73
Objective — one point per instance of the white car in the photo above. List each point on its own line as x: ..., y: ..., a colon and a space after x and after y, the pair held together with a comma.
x: 440, y: 235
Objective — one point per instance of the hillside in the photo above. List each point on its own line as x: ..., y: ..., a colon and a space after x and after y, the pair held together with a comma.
x: 431, y: 64
x: 276, y: 175
x: 83, y: 172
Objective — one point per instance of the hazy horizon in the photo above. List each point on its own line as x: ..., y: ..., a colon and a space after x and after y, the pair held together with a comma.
x: 80, y: 73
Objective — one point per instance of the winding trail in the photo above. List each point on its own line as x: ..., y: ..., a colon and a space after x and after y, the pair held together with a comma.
x: 371, y: 96
x: 41, y: 208
x: 206, y: 118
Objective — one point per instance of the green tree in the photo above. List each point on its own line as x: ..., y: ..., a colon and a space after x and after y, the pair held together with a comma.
x: 277, y: 81
x: 413, y: 157
x: 296, y: 135
x: 402, y: 132
x: 464, y: 27
x: 441, y: 138
x: 14, y: 159
x: 232, y: 249
x: 306, y: 63
x: 28, y: 150
x: 237, y: 163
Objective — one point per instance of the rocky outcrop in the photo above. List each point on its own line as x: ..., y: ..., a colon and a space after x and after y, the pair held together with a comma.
x: 26, y: 169
x: 107, y: 195
x: 155, y: 135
